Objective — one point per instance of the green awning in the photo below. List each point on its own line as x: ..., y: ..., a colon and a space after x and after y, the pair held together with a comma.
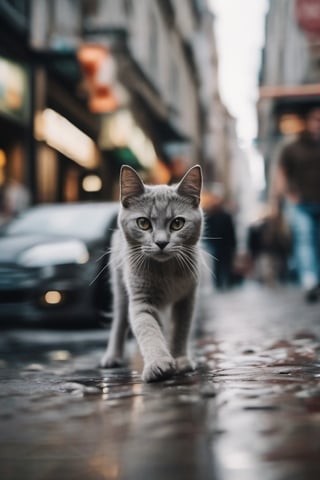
x: 125, y: 156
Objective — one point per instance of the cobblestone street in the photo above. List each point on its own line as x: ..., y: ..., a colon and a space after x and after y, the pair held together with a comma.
x: 251, y: 409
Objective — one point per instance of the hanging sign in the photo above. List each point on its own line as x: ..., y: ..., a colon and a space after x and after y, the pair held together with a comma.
x: 308, y: 16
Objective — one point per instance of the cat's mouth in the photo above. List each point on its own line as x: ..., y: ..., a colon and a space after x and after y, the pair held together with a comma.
x: 160, y: 255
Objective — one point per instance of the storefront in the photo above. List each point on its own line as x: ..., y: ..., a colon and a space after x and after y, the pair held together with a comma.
x: 65, y: 156
x: 14, y: 118
x: 47, y: 133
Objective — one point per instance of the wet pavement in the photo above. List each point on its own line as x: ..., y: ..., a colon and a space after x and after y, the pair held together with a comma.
x: 251, y: 410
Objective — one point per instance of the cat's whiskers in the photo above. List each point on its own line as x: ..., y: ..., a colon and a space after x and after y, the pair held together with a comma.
x: 202, y: 255
x: 180, y: 262
x: 137, y: 262
x: 115, y: 261
x: 105, y: 252
x: 193, y: 252
x: 137, y: 259
x: 190, y: 266
x: 99, y: 274
x: 204, y: 251
x: 185, y: 259
x: 118, y: 261
x: 191, y: 261
x: 112, y: 261
x: 211, y: 238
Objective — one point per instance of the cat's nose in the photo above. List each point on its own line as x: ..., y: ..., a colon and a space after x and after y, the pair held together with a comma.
x: 162, y: 245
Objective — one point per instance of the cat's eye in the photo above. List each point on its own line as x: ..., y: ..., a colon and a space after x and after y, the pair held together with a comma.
x: 177, y: 223
x: 143, y: 223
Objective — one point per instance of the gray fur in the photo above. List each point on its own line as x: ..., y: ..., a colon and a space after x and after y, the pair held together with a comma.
x: 153, y: 284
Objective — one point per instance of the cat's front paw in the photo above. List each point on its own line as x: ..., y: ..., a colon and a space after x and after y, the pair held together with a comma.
x: 110, y: 361
x: 159, y: 370
x: 184, y: 364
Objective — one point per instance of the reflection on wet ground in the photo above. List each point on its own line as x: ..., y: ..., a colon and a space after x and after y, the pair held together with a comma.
x: 250, y: 411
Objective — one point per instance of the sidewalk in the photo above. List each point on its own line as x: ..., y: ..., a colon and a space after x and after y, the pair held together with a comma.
x: 251, y: 411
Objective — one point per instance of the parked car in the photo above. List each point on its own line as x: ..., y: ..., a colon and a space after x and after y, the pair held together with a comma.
x: 54, y: 262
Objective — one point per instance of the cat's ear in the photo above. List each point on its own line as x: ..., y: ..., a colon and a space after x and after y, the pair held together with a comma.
x: 191, y: 184
x: 131, y: 185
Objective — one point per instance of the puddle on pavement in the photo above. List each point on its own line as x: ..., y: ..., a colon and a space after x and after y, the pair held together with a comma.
x: 252, y: 403
x: 281, y: 367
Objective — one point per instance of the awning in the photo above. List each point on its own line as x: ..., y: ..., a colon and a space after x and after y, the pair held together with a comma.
x: 148, y: 106
x: 160, y: 128
x: 292, y: 98
x: 292, y: 91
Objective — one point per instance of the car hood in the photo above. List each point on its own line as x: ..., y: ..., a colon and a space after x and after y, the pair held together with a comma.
x: 11, y: 247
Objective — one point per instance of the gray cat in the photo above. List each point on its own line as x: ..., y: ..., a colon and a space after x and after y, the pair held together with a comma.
x: 155, y: 268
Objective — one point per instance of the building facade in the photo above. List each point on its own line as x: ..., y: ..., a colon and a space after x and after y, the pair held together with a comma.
x: 102, y: 83
x: 290, y: 74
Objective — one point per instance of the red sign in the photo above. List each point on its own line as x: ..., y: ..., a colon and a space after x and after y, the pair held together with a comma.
x: 99, y: 75
x: 308, y: 16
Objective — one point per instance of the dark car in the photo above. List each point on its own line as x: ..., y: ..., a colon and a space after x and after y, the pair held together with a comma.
x: 54, y: 262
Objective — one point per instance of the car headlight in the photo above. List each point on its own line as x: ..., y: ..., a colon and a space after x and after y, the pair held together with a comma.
x: 71, y: 251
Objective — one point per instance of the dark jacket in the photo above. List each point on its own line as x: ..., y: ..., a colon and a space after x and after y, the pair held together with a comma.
x: 220, y: 232
x: 300, y: 161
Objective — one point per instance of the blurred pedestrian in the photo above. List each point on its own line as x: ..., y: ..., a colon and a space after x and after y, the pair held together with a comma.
x: 297, y: 181
x: 16, y: 198
x: 269, y: 244
x: 220, y: 240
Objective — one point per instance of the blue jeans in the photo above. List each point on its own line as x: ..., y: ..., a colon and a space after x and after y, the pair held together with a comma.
x: 304, y: 221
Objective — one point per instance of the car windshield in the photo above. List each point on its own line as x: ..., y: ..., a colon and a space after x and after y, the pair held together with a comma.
x: 84, y: 221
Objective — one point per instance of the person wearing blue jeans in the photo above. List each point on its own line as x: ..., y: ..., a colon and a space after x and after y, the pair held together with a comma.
x: 304, y: 220
x: 298, y: 182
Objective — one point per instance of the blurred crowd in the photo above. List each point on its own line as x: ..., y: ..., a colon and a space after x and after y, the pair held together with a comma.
x: 296, y: 195
x: 283, y: 245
